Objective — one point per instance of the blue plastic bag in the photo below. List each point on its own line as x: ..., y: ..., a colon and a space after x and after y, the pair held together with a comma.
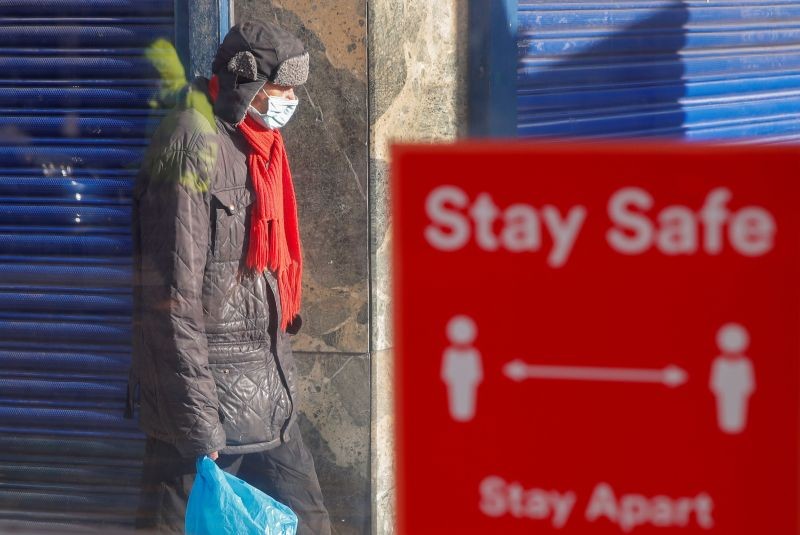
x: 222, y: 504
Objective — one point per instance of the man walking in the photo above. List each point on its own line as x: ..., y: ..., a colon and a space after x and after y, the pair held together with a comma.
x: 218, y: 273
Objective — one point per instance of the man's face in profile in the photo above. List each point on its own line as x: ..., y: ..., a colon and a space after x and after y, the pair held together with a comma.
x: 261, y: 100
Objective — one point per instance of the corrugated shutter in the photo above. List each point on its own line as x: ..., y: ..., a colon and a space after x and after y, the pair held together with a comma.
x: 698, y: 69
x: 75, y: 93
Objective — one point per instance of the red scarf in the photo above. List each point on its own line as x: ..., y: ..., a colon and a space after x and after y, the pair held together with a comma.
x: 274, y: 230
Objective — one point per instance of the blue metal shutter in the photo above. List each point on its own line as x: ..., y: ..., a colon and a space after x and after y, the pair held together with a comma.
x: 697, y: 69
x: 75, y: 93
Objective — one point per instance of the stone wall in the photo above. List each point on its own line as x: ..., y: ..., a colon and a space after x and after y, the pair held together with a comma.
x: 327, y: 146
x: 417, y: 92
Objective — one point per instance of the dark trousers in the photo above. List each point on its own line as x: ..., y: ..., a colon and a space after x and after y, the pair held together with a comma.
x: 286, y: 473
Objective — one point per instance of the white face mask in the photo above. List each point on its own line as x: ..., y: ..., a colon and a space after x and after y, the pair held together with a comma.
x: 279, y: 111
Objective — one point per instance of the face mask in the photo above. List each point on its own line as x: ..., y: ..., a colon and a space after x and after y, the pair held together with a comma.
x: 278, y: 113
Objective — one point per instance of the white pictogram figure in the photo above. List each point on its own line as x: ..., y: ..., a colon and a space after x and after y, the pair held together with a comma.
x: 462, y: 370
x: 732, y: 378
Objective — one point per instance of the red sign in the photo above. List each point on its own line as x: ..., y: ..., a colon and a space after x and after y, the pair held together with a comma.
x: 597, y: 339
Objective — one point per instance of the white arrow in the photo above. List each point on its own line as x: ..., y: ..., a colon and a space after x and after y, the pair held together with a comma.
x: 671, y: 376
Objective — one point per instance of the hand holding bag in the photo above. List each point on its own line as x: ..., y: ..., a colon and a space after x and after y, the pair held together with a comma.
x: 222, y: 504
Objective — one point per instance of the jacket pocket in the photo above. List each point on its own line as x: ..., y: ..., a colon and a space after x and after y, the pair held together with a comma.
x: 236, y: 352
x: 252, y: 401
x: 230, y: 221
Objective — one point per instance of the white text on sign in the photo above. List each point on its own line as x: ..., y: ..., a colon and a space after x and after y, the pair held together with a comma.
x: 499, y: 498
x: 455, y: 221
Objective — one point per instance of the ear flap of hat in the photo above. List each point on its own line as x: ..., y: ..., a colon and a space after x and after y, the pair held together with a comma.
x: 243, y: 64
x: 235, y: 95
x: 292, y: 72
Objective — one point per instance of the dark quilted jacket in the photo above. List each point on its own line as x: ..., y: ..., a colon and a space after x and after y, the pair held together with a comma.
x: 214, y: 371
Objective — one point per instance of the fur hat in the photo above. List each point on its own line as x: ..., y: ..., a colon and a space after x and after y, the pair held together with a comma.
x: 263, y: 51
x: 252, y: 54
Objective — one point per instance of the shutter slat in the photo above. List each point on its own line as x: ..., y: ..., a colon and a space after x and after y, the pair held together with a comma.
x: 75, y: 36
x: 64, y: 391
x: 56, y: 332
x: 97, y: 186
x: 96, y: 8
x: 11, y: 156
x: 73, y: 67
x: 22, y: 214
x: 66, y: 303
x: 109, y: 451
x: 84, y: 128
x: 65, y: 245
x: 76, y: 97
x: 54, y: 362
x: 73, y: 499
